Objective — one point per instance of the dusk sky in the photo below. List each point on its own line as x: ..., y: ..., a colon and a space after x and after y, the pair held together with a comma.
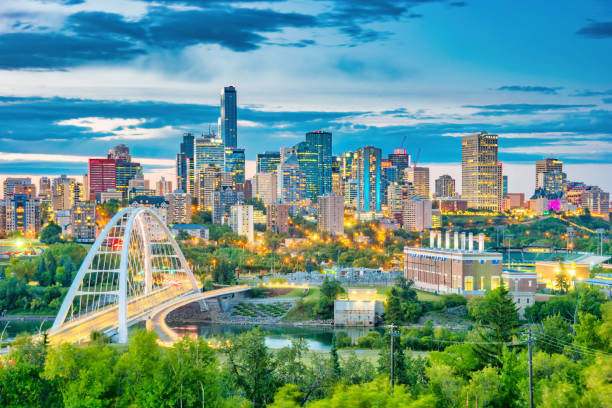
x: 79, y: 76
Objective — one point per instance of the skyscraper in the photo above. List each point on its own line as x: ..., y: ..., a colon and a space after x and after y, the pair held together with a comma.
x: 102, y: 176
x: 208, y: 150
x: 401, y: 160
x: 419, y: 178
x: 322, y: 142
x: 11, y: 182
x: 125, y: 168
x: 546, y: 165
x: 445, y: 186
x: 290, y: 182
x: 264, y: 187
x: 267, y: 162
x: 367, y: 165
x: 331, y: 214
x: 307, y: 157
x: 44, y: 188
x: 234, y: 163
x: 241, y: 221
x: 185, y: 172
x: 228, y: 121
x: 481, y: 185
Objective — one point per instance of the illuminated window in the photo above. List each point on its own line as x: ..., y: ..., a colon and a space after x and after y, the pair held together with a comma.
x: 494, y: 283
x: 482, y: 283
x: 469, y: 283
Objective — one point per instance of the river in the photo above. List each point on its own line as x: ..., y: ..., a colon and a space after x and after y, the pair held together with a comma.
x: 318, y: 338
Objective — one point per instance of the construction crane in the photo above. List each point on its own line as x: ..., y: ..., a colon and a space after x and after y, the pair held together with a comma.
x: 403, y: 141
x: 416, y: 161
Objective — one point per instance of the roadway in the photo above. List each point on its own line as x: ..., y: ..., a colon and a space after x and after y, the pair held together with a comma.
x: 141, y: 308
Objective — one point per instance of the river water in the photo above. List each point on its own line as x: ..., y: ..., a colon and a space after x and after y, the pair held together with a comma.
x: 317, y: 338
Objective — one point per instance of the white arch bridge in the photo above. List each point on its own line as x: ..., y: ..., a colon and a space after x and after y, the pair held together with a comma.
x: 134, y: 271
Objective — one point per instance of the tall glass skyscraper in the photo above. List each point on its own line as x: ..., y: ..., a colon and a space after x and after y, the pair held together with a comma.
x: 208, y: 150
x: 185, y: 165
x: 368, y: 162
x: 307, y: 157
x: 234, y: 163
x: 228, y: 126
x: 322, y: 142
x: 268, y: 162
x: 480, y: 175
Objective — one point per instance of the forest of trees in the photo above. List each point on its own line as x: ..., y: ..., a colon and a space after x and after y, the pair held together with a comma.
x: 572, y: 367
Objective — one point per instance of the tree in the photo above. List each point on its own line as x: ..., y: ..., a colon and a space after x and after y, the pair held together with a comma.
x: 223, y: 271
x: 250, y: 366
x: 562, y: 279
x: 556, y: 334
x: 333, y: 357
x: 330, y: 289
x: 498, y: 322
x: 51, y: 234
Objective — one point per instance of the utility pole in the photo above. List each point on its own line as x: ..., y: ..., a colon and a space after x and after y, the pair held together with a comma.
x: 392, y: 334
x: 530, y: 339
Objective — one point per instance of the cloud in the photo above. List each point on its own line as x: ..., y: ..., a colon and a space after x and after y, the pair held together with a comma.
x: 567, y: 148
x: 521, y: 108
x: 68, y: 158
x: 120, y: 128
x: 528, y: 88
x: 597, y: 30
x: 101, y: 125
x: 588, y: 92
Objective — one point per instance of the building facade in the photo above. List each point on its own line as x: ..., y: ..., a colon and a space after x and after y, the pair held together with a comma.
x: 185, y: 171
x: 234, y: 163
x: 368, y: 168
x: 416, y: 214
x: 179, y: 207
x: 445, y: 186
x: 419, y: 178
x: 480, y: 172
x: 322, y: 143
x: 228, y: 121
x: 102, y: 176
x: 331, y: 214
x: 83, y: 222
x: 267, y: 162
x: 241, y: 221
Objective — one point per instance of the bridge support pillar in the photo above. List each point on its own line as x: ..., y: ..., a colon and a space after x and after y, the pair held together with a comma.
x: 224, y: 302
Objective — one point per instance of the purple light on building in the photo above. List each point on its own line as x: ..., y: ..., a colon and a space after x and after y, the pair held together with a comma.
x: 554, y: 205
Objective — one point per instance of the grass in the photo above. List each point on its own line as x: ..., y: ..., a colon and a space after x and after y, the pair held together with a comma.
x: 426, y: 296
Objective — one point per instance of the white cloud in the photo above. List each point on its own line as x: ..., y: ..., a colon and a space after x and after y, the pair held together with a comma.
x: 121, y: 128
x: 101, y: 125
x: 67, y: 158
x: 249, y: 123
x: 578, y: 148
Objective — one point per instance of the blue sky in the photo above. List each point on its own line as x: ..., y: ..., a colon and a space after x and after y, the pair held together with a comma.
x: 77, y: 77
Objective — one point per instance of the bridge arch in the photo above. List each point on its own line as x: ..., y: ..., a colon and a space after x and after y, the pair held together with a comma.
x: 133, y: 267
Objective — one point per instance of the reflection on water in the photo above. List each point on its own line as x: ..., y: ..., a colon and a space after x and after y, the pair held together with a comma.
x: 317, y: 337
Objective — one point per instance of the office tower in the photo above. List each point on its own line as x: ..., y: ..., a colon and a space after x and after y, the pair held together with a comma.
x: 179, y: 207
x: 395, y: 201
x: 83, y: 222
x: 163, y: 187
x: 546, y: 165
x: 322, y: 142
x: 419, y: 178
x: 22, y: 215
x: 44, y: 188
x: 480, y: 171
x: 346, y: 165
x: 208, y: 150
x: 265, y: 186
x: 337, y: 180
x: 349, y: 191
x: 267, y: 162
x: 401, y: 160
x: 416, y: 214
x: 248, y: 189
x: 102, y: 175
x: 125, y: 168
x: 445, y: 186
x: 185, y: 170
x: 596, y: 201
x: 389, y: 175
x: 11, y: 182
x: 241, y: 221
x: 85, y: 187
x: 552, y: 184
x: 290, y: 183
x: 208, y: 180
x: 234, y: 163
x: 228, y: 121
x: 277, y: 218
x: 307, y: 157
x: 505, y: 185
x: 367, y: 166
x: 331, y: 214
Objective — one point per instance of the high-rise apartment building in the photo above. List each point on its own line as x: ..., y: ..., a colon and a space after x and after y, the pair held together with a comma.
x: 551, y: 183
x: 265, y: 185
x: 185, y: 170
x: 102, y: 176
x: 337, y: 180
x: 331, y: 214
x: 44, y: 188
x: 267, y: 162
x: 419, y: 178
x: 10, y: 184
x: 163, y: 187
x: 545, y: 166
x: 22, y: 215
x: 445, y: 186
x: 401, y: 160
x: 83, y: 222
x: 307, y: 157
x: 389, y: 175
x: 416, y: 214
x: 480, y: 172
x: 125, y: 168
x: 179, y: 207
x: 322, y: 142
x: 395, y: 200
x: 241, y: 221
x: 346, y: 165
x: 277, y: 218
x: 596, y: 201
x: 367, y: 166
x: 228, y: 121
x: 235, y: 163
x: 208, y: 180
x: 290, y: 183
x: 208, y: 150
x: 66, y: 193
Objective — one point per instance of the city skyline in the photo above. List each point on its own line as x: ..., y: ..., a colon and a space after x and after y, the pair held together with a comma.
x: 430, y: 76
